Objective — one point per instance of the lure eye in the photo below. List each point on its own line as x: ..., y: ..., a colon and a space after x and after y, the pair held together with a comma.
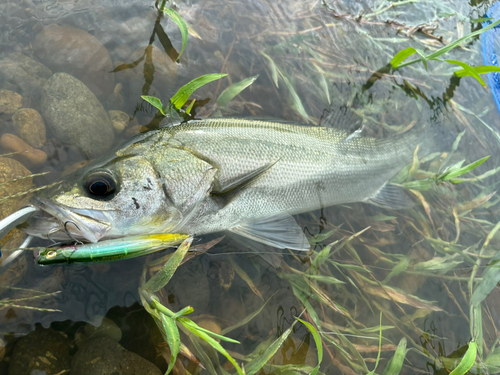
x: 100, y: 184
x: 51, y: 254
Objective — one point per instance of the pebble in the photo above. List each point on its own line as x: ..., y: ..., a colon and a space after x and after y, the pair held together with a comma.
x: 76, y: 52
x: 10, y: 101
x: 2, y: 349
x: 11, y: 169
x: 27, y: 155
x: 44, y: 351
x: 119, y: 119
x: 105, y: 356
x: 75, y: 116
x: 30, y: 127
x: 133, y: 130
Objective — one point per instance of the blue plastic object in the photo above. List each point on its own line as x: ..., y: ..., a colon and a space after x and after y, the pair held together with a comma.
x: 491, y: 49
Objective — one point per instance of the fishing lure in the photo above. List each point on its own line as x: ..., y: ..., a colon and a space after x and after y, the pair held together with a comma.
x: 108, y: 251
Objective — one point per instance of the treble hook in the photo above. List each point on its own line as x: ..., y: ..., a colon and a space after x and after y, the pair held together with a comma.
x: 69, y: 233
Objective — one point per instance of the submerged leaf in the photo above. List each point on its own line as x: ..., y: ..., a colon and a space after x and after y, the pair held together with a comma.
x: 395, y: 364
x: 229, y: 93
x: 469, y: 69
x: 173, y: 339
x: 254, y: 366
x: 467, y: 360
x: 174, y: 16
x: 317, y: 340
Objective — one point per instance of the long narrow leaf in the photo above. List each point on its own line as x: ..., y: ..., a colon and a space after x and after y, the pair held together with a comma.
x: 479, y: 70
x: 395, y: 364
x: 255, y: 365
x: 180, y: 98
x: 402, y: 56
x: 229, y: 93
x: 155, y: 102
x: 469, y: 69
x: 317, y: 340
x: 467, y: 361
x: 174, y: 16
x: 173, y: 339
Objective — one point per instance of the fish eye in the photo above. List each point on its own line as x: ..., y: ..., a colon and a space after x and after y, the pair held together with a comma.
x: 51, y: 254
x: 100, y: 184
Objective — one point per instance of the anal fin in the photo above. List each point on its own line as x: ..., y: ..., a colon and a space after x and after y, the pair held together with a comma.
x: 391, y: 196
x: 281, y: 231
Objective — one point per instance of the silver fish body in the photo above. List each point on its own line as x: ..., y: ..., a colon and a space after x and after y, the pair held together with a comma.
x: 222, y: 174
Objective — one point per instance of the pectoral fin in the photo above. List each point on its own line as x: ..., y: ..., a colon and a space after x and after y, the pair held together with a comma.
x: 242, y: 180
x: 281, y: 231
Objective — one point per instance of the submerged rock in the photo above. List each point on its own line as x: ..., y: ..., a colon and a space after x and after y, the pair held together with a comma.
x: 119, y: 119
x: 30, y: 127
x: 26, y: 154
x: 76, y: 52
x: 104, y: 356
x: 24, y: 75
x: 10, y: 101
x: 43, y: 351
x: 75, y: 116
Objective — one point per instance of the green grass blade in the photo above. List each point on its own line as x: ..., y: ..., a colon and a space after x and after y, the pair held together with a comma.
x: 184, y: 311
x: 173, y: 339
x: 317, y: 340
x: 190, y: 107
x: 198, y: 331
x: 174, y: 16
x: 254, y: 366
x: 272, y: 68
x: 180, y: 98
x: 479, y: 70
x: 402, y: 56
x: 163, y: 276
x: 490, y: 279
x: 229, y: 93
x: 296, y: 103
x: 188, y: 322
x: 246, y: 319
x: 457, y: 42
x: 379, y: 347
x: 423, y: 58
x: 467, y: 360
x: 450, y: 175
x: 469, y: 69
x: 395, y: 364
x: 155, y: 102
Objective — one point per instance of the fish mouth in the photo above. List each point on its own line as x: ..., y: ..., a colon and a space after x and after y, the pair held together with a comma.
x: 55, y: 221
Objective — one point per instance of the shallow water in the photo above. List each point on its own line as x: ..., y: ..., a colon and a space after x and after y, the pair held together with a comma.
x: 331, y: 54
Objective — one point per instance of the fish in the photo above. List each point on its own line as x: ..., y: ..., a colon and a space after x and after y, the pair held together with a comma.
x: 240, y: 175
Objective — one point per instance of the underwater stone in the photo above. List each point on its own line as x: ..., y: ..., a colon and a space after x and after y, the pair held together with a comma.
x: 75, y: 116
x: 76, y: 52
x: 119, y: 119
x: 104, y: 356
x: 10, y: 101
x: 30, y: 127
x: 27, y: 155
x: 44, y: 350
x: 24, y: 75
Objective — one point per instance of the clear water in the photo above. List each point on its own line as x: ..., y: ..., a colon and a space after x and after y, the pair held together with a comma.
x: 330, y: 52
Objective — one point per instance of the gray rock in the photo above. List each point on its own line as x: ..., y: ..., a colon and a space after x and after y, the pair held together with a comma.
x: 76, y: 52
x: 104, y: 356
x: 24, y: 75
x: 10, y: 101
x: 44, y: 350
x: 75, y: 116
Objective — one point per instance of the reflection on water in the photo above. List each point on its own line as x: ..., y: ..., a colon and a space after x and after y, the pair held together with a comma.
x: 413, y: 265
